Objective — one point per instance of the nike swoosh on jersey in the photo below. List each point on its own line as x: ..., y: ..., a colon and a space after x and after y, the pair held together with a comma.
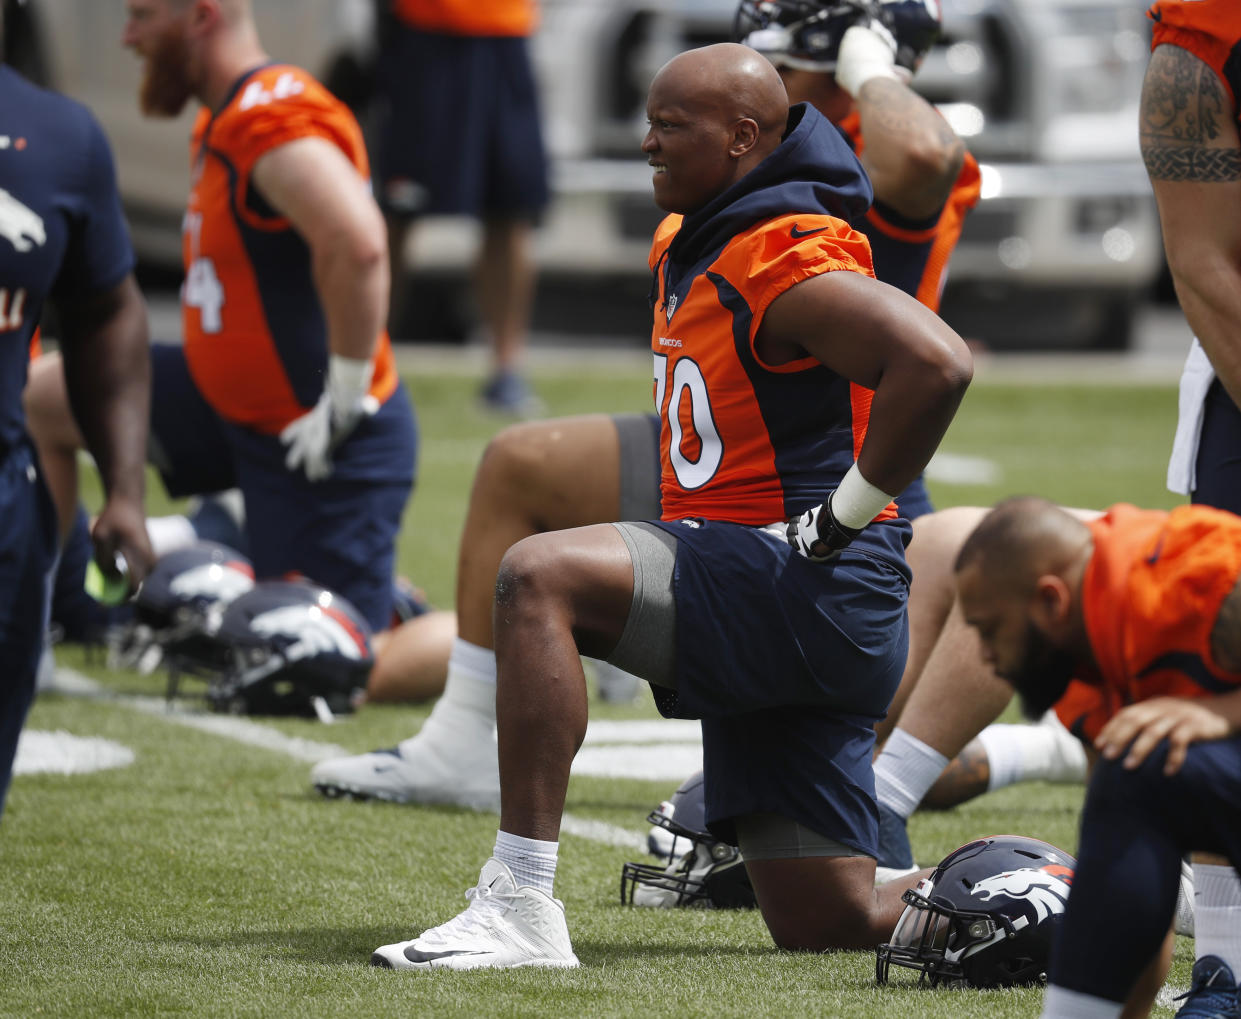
x: 795, y: 233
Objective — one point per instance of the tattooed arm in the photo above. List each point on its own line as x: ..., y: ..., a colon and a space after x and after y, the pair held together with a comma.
x: 912, y: 155
x: 1193, y: 156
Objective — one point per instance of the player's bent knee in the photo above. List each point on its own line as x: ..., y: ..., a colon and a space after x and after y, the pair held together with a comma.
x: 528, y: 573
x: 816, y: 904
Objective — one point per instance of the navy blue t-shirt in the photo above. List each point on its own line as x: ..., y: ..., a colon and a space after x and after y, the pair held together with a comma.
x: 62, y: 232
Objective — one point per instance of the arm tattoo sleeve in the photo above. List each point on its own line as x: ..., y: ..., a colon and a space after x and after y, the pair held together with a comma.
x: 1185, y: 108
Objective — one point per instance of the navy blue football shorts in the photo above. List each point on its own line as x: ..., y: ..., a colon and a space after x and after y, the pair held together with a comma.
x: 462, y: 133
x: 788, y: 663
x: 1218, y: 468
x: 340, y: 532
x: 27, y: 562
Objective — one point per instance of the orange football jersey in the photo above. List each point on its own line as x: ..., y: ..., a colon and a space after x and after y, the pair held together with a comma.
x: 469, y: 17
x: 255, y: 334
x: 1151, y: 594
x: 734, y: 447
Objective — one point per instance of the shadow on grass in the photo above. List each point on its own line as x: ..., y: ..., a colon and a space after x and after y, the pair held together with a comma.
x: 326, y: 946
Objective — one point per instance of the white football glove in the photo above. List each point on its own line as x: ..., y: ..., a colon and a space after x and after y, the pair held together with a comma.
x: 312, y: 438
x: 818, y: 535
x: 866, y: 51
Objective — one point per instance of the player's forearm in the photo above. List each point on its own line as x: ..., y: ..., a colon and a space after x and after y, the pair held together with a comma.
x: 914, y: 403
x: 911, y: 154
x: 352, y: 282
x: 107, y: 368
x: 1209, y: 291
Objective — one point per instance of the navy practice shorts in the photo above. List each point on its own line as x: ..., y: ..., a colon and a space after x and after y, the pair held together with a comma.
x: 27, y: 560
x: 789, y: 664
x: 340, y: 533
x: 1218, y: 470
x: 461, y: 135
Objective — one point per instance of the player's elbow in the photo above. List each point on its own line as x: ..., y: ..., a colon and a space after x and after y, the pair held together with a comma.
x: 946, y: 367
x: 924, y: 176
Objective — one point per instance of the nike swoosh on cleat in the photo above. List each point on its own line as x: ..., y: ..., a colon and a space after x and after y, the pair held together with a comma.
x: 795, y: 233
x: 413, y: 955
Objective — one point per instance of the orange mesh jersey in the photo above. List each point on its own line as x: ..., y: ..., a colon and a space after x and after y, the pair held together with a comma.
x: 1151, y: 594
x: 742, y: 441
x: 914, y: 256
x: 469, y: 17
x: 1209, y: 29
x: 255, y: 334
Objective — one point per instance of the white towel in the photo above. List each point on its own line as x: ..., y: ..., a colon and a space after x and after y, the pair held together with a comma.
x: 1196, y: 379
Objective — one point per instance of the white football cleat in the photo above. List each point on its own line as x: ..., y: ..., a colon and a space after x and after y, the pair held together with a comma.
x: 504, y: 927
x: 417, y: 771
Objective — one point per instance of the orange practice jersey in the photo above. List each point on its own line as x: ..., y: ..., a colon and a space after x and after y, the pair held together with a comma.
x: 1151, y: 594
x: 914, y: 256
x: 733, y: 446
x: 1209, y: 29
x: 469, y: 17
x: 255, y: 334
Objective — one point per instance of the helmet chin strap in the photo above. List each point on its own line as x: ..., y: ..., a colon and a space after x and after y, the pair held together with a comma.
x: 998, y: 934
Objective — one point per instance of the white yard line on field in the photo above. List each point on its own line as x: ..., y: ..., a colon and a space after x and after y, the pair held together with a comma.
x: 657, y: 750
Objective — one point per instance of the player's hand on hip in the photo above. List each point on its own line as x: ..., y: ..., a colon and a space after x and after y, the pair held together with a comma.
x: 312, y: 439
x: 818, y: 535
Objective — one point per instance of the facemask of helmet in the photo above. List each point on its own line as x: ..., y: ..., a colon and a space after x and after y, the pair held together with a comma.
x: 177, y: 608
x: 985, y: 917
x: 291, y: 648
x: 700, y: 871
x: 805, y: 34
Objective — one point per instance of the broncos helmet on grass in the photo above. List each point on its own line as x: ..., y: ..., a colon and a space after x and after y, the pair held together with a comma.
x: 805, y: 34
x: 291, y: 647
x: 701, y: 870
x: 985, y: 917
x: 178, y: 606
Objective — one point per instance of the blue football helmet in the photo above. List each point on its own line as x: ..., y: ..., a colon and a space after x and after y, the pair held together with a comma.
x: 179, y: 605
x: 805, y: 34
x: 291, y: 647
x: 700, y: 871
x: 985, y: 917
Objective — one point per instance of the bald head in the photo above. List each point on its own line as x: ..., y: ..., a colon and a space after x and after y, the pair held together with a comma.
x: 730, y: 81
x: 715, y: 114
x: 1021, y: 539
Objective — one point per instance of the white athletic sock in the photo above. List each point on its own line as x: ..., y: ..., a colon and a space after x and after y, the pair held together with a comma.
x: 533, y: 862
x: 905, y: 770
x: 1059, y: 1003
x: 170, y: 533
x: 1217, y: 914
x: 1044, y: 752
x: 466, y: 710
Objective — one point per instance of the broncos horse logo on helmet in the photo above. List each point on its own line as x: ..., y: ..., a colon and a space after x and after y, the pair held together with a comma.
x: 1045, y: 888
x: 805, y: 34
x: 291, y: 647
x: 985, y: 917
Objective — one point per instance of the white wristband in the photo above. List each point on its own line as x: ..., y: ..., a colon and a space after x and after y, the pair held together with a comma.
x: 856, y: 502
x: 348, y: 379
x: 864, y: 54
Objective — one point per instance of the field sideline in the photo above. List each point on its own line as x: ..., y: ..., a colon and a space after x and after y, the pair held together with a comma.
x: 206, y: 878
